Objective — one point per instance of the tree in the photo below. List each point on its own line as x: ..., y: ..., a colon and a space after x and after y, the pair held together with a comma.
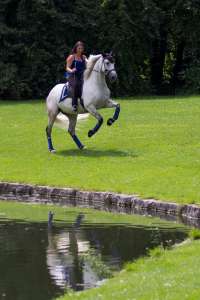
x: 156, y: 43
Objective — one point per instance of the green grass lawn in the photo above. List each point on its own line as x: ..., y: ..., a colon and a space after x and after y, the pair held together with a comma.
x: 153, y: 150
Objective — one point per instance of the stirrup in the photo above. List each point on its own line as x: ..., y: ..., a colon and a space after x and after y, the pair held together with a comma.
x: 74, y: 108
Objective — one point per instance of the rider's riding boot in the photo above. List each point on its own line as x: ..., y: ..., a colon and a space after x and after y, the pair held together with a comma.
x: 74, y: 104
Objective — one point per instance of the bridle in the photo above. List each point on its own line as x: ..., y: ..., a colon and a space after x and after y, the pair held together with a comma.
x: 107, y: 72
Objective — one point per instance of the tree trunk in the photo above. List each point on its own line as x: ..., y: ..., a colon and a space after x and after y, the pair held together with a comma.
x: 158, y: 59
x: 178, y: 67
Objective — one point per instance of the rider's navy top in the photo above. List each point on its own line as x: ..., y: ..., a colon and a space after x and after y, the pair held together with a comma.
x: 80, y: 68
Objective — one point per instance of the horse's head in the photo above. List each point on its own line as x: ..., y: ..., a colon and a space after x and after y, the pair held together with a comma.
x: 108, y: 66
x: 101, y: 63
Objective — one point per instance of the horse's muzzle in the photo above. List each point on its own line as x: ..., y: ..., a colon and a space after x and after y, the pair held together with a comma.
x: 112, y: 76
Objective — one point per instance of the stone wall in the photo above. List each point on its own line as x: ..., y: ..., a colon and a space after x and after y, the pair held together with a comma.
x: 98, y: 200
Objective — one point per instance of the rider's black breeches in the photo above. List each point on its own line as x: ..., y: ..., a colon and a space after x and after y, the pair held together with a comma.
x: 76, y: 85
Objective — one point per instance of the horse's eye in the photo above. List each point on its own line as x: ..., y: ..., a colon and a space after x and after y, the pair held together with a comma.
x: 107, y: 63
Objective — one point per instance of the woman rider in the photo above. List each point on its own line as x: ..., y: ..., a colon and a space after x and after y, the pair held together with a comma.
x: 75, y: 66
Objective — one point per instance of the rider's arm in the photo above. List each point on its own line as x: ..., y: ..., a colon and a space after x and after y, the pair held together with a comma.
x: 69, y: 64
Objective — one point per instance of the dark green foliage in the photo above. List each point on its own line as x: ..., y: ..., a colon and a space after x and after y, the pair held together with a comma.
x: 156, y: 43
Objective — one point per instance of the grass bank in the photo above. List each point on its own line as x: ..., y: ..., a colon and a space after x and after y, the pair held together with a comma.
x: 165, y: 275
x: 153, y: 150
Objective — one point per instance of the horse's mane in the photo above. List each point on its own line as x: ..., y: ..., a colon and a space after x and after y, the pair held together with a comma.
x: 90, y: 65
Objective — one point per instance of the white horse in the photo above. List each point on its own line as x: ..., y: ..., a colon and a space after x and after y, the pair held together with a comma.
x: 95, y: 95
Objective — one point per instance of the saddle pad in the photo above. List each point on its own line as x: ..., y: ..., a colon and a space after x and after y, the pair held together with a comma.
x: 65, y: 93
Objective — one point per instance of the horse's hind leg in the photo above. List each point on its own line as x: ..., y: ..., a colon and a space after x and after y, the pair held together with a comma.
x: 111, y: 104
x: 71, y: 130
x: 51, y: 119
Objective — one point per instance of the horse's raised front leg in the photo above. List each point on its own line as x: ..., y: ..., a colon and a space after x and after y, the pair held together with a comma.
x: 92, y: 110
x: 111, y: 104
x: 51, y: 119
x: 71, y: 130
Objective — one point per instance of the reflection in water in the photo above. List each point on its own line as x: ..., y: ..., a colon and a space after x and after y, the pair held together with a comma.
x: 38, y: 262
x: 50, y: 219
x: 65, y: 261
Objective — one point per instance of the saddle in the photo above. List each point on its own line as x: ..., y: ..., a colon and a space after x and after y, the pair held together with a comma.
x: 67, y: 93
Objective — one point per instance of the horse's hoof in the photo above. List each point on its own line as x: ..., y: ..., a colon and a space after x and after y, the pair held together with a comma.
x: 52, y: 150
x: 82, y: 147
x: 90, y: 133
x: 110, y: 122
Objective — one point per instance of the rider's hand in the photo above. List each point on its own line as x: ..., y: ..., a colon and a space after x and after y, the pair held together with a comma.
x: 73, y: 70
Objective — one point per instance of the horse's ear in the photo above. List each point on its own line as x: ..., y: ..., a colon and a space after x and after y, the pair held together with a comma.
x: 104, y: 55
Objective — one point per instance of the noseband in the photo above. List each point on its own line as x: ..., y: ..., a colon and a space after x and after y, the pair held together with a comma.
x: 107, y: 72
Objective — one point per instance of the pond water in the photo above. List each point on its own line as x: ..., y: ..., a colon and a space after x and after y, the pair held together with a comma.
x: 41, y: 262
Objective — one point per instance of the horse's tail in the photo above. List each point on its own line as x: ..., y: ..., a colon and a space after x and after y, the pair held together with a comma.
x: 63, y: 122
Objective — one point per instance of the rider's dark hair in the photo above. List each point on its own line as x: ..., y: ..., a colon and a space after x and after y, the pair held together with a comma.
x: 74, y: 49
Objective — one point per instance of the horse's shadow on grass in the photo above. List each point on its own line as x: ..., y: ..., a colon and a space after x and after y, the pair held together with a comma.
x: 95, y: 153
